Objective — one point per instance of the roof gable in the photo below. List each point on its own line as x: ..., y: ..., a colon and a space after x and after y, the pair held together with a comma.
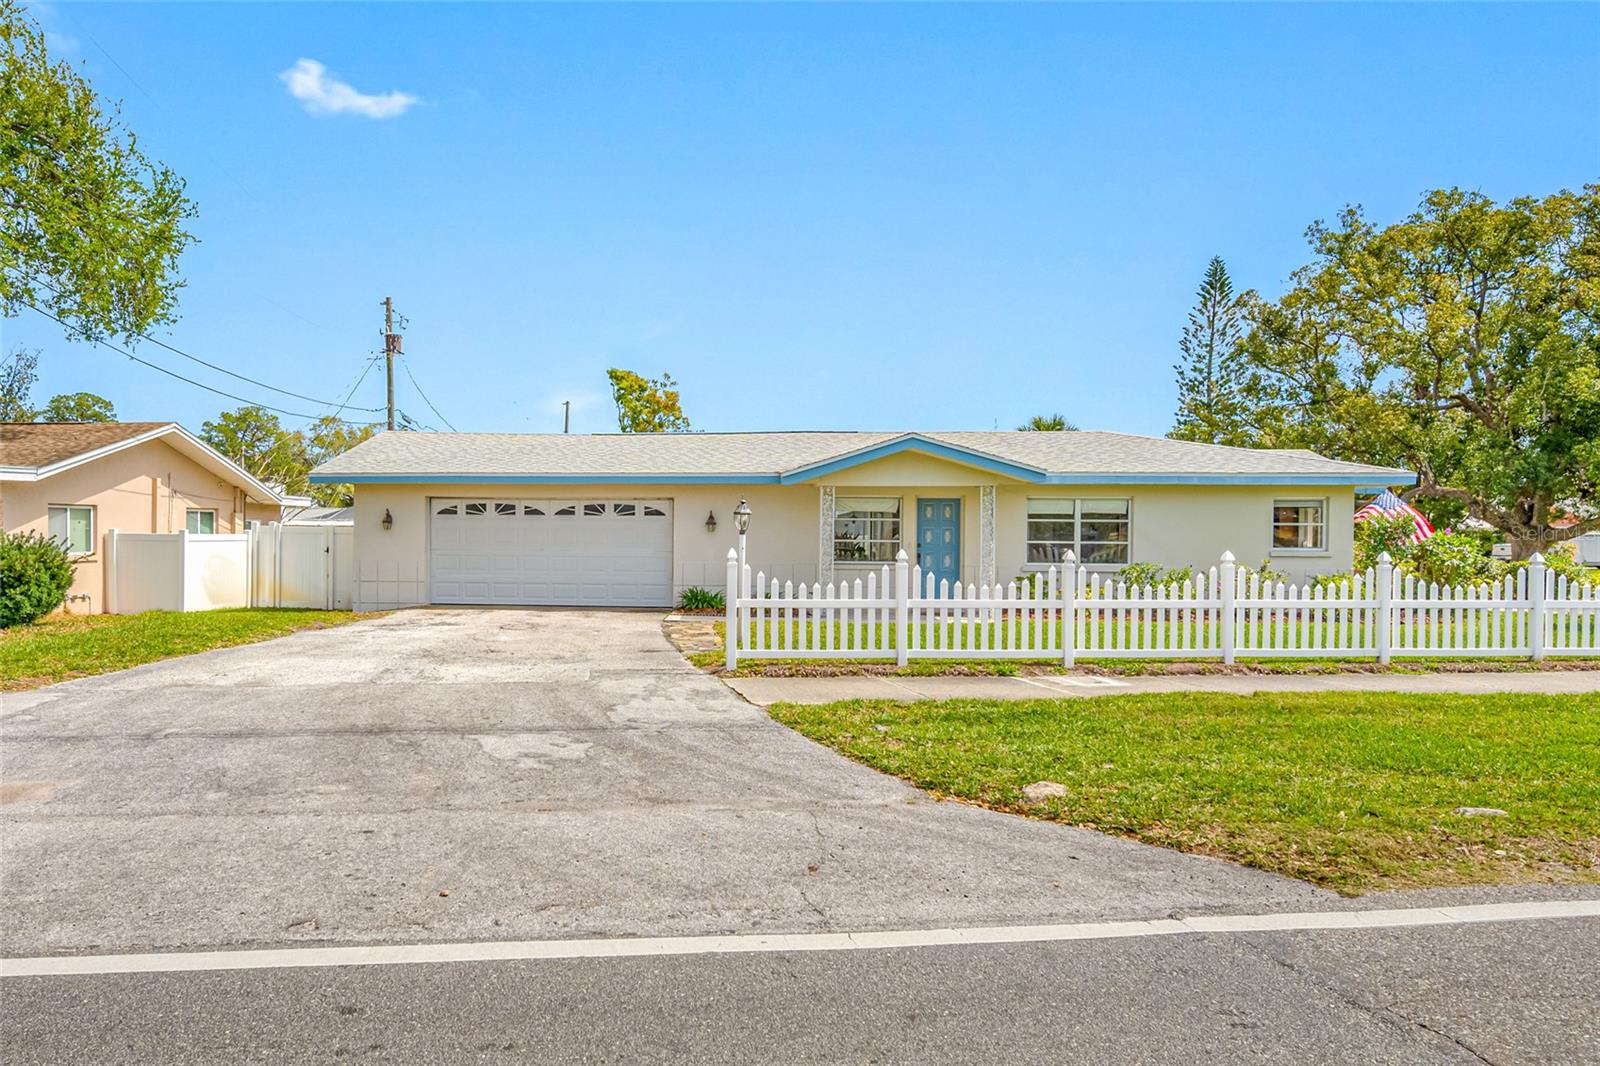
x: 922, y: 444
x: 35, y: 451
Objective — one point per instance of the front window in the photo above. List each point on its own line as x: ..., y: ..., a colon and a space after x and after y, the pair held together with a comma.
x: 202, y: 521
x: 866, y: 529
x: 1097, y: 532
x: 1298, y: 525
x: 74, y: 527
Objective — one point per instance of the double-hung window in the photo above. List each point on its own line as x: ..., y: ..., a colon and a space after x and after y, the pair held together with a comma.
x: 202, y: 521
x: 1299, y: 525
x: 74, y: 527
x: 866, y: 529
x: 1097, y: 532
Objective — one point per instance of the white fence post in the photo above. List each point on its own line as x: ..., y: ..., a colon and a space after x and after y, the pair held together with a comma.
x: 731, y: 612
x: 902, y: 608
x: 1384, y: 622
x: 1225, y: 619
x: 183, y: 569
x: 111, y: 571
x: 1537, y: 575
x: 1069, y: 612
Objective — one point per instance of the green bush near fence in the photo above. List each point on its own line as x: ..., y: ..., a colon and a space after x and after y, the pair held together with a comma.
x: 35, y: 574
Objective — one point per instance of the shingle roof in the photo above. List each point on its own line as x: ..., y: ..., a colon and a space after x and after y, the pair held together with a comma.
x: 780, y: 456
x: 45, y: 443
x: 30, y: 451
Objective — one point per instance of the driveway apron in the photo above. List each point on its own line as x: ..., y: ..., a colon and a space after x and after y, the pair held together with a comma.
x: 503, y: 774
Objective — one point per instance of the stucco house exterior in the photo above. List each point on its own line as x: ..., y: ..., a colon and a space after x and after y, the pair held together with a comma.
x: 633, y: 519
x: 76, y: 480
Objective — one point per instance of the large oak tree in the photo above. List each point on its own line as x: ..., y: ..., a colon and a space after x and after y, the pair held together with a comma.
x: 1462, y: 342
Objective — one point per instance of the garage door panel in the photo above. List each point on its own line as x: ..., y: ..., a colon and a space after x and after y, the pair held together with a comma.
x: 562, y: 551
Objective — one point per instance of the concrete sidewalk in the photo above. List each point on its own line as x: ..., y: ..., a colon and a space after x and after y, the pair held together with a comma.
x: 762, y: 691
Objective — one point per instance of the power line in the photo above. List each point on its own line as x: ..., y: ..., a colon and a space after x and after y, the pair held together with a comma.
x: 241, y: 377
x: 424, y: 396
x: 371, y: 361
x: 203, y: 362
x: 170, y: 373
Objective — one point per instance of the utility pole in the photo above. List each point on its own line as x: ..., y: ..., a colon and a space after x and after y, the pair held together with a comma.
x: 391, y: 348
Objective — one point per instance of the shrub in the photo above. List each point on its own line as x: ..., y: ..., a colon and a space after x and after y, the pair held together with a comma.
x: 1265, y: 573
x: 35, y: 573
x: 1144, y: 575
x: 699, y: 599
x: 1140, y: 574
x: 1379, y: 534
x: 1447, y: 558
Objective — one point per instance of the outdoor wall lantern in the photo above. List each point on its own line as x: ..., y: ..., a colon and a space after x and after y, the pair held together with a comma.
x: 388, y: 519
x: 711, y: 521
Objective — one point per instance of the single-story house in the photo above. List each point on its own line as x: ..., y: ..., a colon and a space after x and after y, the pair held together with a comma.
x: 76, y: 480
x: 633, y: 519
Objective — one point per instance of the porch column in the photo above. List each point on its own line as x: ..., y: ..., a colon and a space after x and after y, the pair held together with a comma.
x: 986, y: 574
x: 825, y: 513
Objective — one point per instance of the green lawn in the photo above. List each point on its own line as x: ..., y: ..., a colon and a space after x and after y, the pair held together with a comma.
x: 1350, y: 791
x: 63, y: 647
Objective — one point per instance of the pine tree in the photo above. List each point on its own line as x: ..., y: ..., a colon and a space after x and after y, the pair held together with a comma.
x: 1211, y: 373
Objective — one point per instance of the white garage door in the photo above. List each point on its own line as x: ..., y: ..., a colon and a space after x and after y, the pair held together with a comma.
x: 605, y: 553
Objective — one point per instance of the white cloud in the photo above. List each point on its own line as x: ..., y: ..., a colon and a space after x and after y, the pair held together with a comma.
x: 310, y: 83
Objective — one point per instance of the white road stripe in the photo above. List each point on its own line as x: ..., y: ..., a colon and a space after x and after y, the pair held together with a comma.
x: 633, y: 947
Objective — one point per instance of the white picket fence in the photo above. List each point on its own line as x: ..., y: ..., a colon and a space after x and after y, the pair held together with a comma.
x: 1224, y: 613
x: 268, y: 566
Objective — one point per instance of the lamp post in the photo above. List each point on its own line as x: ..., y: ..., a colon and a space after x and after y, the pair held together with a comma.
x: 741, y: 522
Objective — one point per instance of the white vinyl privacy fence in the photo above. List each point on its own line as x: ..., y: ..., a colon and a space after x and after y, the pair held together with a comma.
x: 1225, y: 613
x: 268, y: 566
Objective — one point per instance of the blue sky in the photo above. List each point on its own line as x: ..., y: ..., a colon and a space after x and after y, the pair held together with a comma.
x: 878, y: 217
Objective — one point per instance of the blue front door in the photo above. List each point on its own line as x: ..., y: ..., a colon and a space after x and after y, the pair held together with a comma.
x: 939, y: 540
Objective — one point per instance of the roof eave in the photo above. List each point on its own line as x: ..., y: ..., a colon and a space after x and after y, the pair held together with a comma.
x: 334, y: 478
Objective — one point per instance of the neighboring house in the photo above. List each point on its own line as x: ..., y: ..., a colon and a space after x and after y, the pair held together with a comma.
x: 633, y: 519
x: 318, y: 516
x: 76, y: 480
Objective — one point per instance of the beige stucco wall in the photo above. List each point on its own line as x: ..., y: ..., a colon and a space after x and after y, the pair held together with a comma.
x: 148, y: 488
x: 392, y: 564
x: 1190, y: 525
x: 1173, y: 525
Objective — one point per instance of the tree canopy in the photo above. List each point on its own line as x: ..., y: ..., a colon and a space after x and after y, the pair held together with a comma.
x: 91, y: 229
x: 646, y: 405
x: 255, y: 439
x: 1210, y: 374
x: 1462, y: 342
x: 1047, y: 424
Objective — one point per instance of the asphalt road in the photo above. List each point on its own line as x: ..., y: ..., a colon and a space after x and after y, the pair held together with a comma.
x: 459, y: 776
x: 1514, y: 993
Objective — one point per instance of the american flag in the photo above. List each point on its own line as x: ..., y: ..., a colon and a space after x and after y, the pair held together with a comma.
x: 1388, y: 505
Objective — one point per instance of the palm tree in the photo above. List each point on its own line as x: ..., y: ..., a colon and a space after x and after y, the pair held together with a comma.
x: 1047, y: 424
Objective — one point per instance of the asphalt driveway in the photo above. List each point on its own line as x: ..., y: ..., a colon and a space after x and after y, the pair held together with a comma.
x: 502, y: 774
